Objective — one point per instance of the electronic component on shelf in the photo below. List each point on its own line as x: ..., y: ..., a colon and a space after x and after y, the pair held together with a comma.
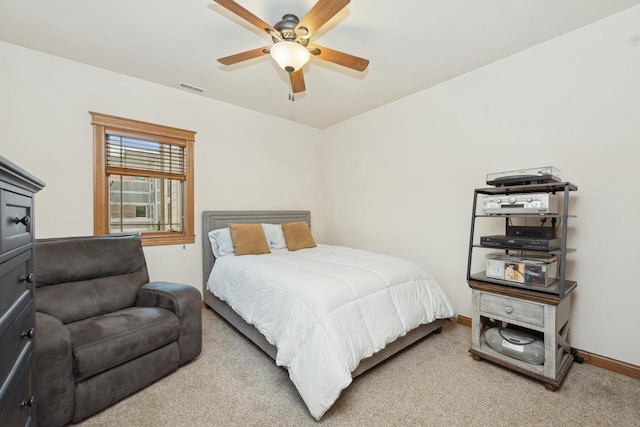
x: 539, y: 175
x: 534, y: 270
x: 517, y: 242
x: 531, y: 231
x: 534, y: 203
x: 516, y: 344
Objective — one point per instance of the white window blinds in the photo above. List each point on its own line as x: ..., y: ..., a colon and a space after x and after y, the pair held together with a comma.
x: 132, y: 156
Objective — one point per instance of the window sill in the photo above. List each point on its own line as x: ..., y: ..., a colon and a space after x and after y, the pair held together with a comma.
x: 167, y: 239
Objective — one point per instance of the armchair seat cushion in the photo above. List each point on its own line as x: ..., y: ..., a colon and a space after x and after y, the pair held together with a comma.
x: 103, y: 342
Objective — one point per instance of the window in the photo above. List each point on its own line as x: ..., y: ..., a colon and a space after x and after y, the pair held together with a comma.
x: 141, y: 212
x: 143, y: 180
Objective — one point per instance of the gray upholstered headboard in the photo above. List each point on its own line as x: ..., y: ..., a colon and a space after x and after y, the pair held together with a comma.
x: 212, y: 220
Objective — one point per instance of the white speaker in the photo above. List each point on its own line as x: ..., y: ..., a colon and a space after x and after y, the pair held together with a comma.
x: 516, y: 344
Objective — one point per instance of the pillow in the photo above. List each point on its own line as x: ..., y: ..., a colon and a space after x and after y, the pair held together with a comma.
x: 249, y: 239
x: 298, y: 236
x: 221, y: 243
x: 275, y: 237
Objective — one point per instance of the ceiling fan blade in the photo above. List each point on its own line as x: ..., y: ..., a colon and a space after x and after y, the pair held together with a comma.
x: 320, y: 13
x: 297, y: 81
x: 340, y: 58
x: 243, y: 13
x: 244, y: 56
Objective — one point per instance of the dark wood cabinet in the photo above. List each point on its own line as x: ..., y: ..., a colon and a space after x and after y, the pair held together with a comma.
x: 17, y: 295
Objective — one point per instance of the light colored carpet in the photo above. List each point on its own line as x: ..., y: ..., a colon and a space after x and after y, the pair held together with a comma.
x: 433, y: 383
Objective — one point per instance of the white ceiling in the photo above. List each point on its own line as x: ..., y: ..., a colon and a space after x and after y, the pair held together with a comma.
x: 412, y: 44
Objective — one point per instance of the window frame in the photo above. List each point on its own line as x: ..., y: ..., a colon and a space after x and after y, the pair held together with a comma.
x: 103, y: 124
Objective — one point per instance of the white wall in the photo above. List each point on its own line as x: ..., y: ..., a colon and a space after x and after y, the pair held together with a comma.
x: 400, y: 179
x: 242, y: 160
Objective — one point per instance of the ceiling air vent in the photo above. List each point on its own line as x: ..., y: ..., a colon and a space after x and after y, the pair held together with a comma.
x: 192, y: 88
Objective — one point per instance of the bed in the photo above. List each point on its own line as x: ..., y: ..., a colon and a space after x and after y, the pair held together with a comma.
x: 298, y: 365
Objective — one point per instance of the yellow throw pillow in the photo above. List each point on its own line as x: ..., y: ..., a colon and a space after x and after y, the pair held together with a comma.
x: 249, y: 239
x: 298, y: 236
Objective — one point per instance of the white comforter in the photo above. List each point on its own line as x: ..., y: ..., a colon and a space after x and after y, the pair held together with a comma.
x: 327, y: 308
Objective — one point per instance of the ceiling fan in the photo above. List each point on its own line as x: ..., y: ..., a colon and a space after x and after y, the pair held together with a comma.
x: 290, y: 37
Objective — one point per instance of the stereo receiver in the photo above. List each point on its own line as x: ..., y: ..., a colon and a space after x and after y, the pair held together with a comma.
x: 535, y: 203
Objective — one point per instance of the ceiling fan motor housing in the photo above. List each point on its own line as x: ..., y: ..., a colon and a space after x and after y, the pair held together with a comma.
x: 287, y: 29
x: 287, y: 26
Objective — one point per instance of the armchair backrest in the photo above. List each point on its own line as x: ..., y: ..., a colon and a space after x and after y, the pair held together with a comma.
x: 82, y: 277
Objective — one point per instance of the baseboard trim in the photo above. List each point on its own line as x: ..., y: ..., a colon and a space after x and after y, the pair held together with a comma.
x: 613, y: 365
x: 603, y: 362
x: 464, y: 321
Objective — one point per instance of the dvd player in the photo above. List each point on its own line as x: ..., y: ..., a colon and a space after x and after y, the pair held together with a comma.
x: 521, y: 242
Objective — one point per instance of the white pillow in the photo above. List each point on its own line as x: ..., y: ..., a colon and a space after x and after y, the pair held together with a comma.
x: 221, y: 243
x: 275, y: 236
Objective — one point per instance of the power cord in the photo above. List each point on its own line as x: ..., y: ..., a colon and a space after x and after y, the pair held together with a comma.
x: 576, y: 358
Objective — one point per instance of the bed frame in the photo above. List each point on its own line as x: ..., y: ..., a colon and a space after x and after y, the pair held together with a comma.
x: 212, y: 220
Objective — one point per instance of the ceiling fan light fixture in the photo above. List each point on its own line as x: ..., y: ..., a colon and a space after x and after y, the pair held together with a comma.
x: 290, y: 55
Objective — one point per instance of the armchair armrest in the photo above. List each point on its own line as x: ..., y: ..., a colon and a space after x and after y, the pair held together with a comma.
x: 186, y: 303
x: 54, y: 385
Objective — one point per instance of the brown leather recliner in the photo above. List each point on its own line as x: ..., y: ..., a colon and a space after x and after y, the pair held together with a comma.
x: 103, y: 331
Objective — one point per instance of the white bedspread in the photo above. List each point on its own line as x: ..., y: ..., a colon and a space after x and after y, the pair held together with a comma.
x: 327, y: 308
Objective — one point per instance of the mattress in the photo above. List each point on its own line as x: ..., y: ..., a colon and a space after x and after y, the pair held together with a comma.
x: 327, y: 308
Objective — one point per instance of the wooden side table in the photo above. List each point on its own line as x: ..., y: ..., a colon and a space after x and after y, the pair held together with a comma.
x: 546, y: 315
